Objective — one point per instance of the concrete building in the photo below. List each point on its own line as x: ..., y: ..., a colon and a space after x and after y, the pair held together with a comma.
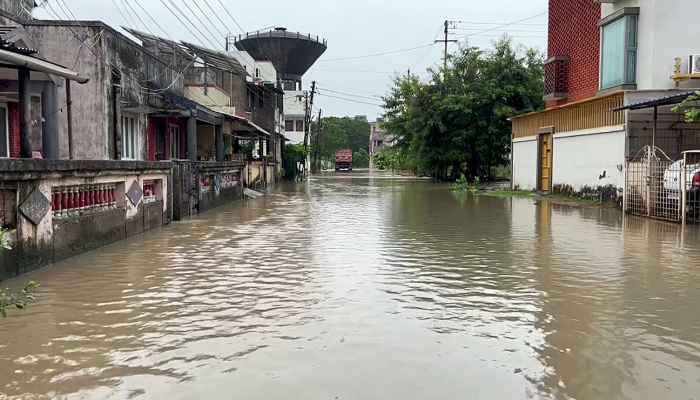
x: 602, y: 57
x: 292, y: 54
x: 379, y: 139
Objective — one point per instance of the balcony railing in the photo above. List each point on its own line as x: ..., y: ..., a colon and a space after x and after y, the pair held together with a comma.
x: 588, y: 114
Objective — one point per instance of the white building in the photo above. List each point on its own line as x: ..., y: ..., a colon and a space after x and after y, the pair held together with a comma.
x: 603, y: 57
x: 294, y: 112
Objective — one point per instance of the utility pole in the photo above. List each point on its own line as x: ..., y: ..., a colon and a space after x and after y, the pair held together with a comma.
x: 315, y: 164
x: 446, y: 41
x: 307, y: 130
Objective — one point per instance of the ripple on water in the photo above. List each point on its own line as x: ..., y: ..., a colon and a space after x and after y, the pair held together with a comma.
x: 351, y: 285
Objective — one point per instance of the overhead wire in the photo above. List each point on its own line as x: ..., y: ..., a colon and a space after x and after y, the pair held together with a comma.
x: 148, y: 29
x: 509, y: 24
x: 177, y: 16
x: 204, y: 25
x: 349, y: 94
x: 385, y: 53
x: 215, y: 14
x: 125, y: 20
x: 350, y: 100
x: 235, y: 21
x: 150, y: 16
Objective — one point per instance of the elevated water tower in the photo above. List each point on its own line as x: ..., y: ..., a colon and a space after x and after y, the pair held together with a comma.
x: 292, y: 53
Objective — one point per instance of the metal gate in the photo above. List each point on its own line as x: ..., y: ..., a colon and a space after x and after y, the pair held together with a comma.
x: 658, y: 187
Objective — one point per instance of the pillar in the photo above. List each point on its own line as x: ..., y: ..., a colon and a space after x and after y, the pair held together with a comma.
x: 192, y: 138
x: 49, y: 111
x: 25, y: 113
x: 219, y: 131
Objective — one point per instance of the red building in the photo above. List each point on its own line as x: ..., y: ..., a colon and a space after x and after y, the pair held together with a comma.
x: 571, y: 69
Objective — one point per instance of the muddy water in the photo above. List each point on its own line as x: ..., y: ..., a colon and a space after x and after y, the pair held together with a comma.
x: 370, y: 289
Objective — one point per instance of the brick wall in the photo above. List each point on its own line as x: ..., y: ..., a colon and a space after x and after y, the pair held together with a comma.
x: 574, y: 33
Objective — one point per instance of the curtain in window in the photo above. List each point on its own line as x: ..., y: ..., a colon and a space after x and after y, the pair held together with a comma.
x: 613, y: 57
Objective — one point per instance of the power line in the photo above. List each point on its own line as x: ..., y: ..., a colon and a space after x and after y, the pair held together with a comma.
x: 386, y: 53
x: 150, y: 16
x: 125, y: 20
x: 128, y: 5
x: 68, y: 8
x: 351, y: 100
x: 494, y: 23
x: 231, y: 16
x: 505, y: 30
x: 208, y: 4
x: 181, y: 21
x: 350, y: 94
x: 186, y: 3
x: 509, y: 24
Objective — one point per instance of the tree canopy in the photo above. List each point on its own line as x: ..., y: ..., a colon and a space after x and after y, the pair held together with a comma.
x: 457, y: 122
x: 345, y: 133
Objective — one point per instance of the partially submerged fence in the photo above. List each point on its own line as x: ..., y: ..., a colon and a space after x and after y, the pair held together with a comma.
x: 661, y: 188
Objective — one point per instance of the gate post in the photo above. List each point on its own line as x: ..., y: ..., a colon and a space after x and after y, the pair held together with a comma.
x: 684, y: 192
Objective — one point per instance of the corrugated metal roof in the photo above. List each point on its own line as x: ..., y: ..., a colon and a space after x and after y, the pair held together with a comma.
x: 216, y: 59
x: 658, y: 102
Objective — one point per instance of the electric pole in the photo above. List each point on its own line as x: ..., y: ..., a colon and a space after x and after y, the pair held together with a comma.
x: 307, y: 130
x: 446, y: 40
x: 315, y: 164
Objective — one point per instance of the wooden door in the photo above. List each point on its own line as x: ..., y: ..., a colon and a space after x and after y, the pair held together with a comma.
x: 545, y: 162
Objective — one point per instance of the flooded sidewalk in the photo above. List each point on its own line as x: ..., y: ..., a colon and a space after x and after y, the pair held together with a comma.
x: 368, y: 287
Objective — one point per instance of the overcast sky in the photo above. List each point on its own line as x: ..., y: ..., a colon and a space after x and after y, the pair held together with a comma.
x: 352, y: 28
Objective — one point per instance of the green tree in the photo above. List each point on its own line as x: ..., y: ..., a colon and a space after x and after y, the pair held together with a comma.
x: 689, y: 107
x: 345, y: 133
x: 457, y: 123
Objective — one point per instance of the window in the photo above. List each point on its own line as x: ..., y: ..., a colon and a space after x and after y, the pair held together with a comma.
x: 619, y: 49
x: 130, y: 138
x: 300, y: 125
x: 4, y: 133
x: 174, y: 132
x: 289, y: 125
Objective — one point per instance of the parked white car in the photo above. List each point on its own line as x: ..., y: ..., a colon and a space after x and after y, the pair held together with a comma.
x: 672, y: 184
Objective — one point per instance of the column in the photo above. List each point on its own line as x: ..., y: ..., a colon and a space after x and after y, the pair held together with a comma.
x: 25, y: 113
x: 219, y: 131
x: 49, y: 110
x: 192, y: 138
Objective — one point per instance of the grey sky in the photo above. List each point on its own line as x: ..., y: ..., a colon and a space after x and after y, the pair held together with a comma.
x: 353, y: 28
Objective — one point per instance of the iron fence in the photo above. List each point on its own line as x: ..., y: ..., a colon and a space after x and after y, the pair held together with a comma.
x: 662, y: 188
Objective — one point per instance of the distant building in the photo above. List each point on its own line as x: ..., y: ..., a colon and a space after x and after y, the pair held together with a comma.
x: 378, y: 138
x: 602, y: 57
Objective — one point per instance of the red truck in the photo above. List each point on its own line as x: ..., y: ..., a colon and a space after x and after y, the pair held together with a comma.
x: 343, y: 160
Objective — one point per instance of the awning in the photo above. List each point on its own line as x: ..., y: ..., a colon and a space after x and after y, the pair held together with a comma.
x: 39, y: 65
x: 251, y: 124
x: 659, y: 102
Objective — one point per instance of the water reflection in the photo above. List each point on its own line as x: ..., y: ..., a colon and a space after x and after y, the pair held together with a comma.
x: 372, y: 288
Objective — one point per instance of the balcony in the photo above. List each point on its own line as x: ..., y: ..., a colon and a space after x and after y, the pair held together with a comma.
x: 556, y: 83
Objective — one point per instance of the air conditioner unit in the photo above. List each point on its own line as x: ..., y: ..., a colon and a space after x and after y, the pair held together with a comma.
x: 694, y: 64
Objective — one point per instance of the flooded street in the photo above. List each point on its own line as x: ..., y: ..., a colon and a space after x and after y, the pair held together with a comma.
x: 369, y: 288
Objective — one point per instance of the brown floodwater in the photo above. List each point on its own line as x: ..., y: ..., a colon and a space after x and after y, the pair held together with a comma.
x: 369, y: 288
